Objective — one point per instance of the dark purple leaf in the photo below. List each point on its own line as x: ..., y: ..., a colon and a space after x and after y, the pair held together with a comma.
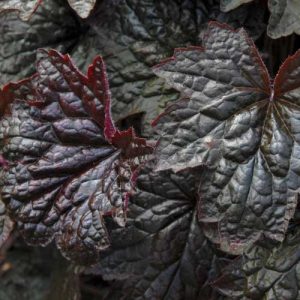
x: 133, y: 36
x: 67, y: 165
x: 52, y: 25
x: 284, y: 15
x: 242, y: 127
x: 162, y: 253
x: 250, y: 16
x: 265, y: 271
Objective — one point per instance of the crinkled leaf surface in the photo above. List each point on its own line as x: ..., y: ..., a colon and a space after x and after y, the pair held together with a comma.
x: 227, y: 5
x: 265, y: 271
x: 25, y: 8
x: 162, y: 253
x: 6, y: 224
x: 242, y: 127
x: 68, y: 165
x: 52, y: 25
x: 82, y: 7
x: 133, y: 36
x: 284, y: 19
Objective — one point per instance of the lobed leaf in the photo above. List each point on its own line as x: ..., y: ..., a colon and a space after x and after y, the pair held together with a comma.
x: 250, y: 16
x: 52, y: 25
x: 162, y: 253
x: 265, y: 271
x: 68, y: 167
x: 133, y: 36
x: 243, y: 127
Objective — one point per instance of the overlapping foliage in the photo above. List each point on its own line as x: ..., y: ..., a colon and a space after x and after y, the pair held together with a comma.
x: 284, y: 15
x: 208, y: 215
x: 68, y: 166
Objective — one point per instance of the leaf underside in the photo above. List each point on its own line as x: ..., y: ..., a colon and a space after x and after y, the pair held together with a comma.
x: 69, y: 166
x: 284, y: 15
x: 24, y: 8
x: 82, y: 7
x: 242, y: 128
x: 227, y: 5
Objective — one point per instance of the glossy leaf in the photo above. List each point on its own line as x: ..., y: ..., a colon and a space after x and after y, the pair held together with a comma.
x: 83, y: 8
x: 242, y: 127
x: 265, y: 271
x: 162, y: 253
x: 284, y: 19
x: 133, y: 36
x: 52, y: 25
x: 24, y: 8
x: 68, y: 167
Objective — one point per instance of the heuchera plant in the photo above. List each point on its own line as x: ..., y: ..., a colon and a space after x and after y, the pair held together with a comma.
x: 204, y: 205
x: 68, y: 166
